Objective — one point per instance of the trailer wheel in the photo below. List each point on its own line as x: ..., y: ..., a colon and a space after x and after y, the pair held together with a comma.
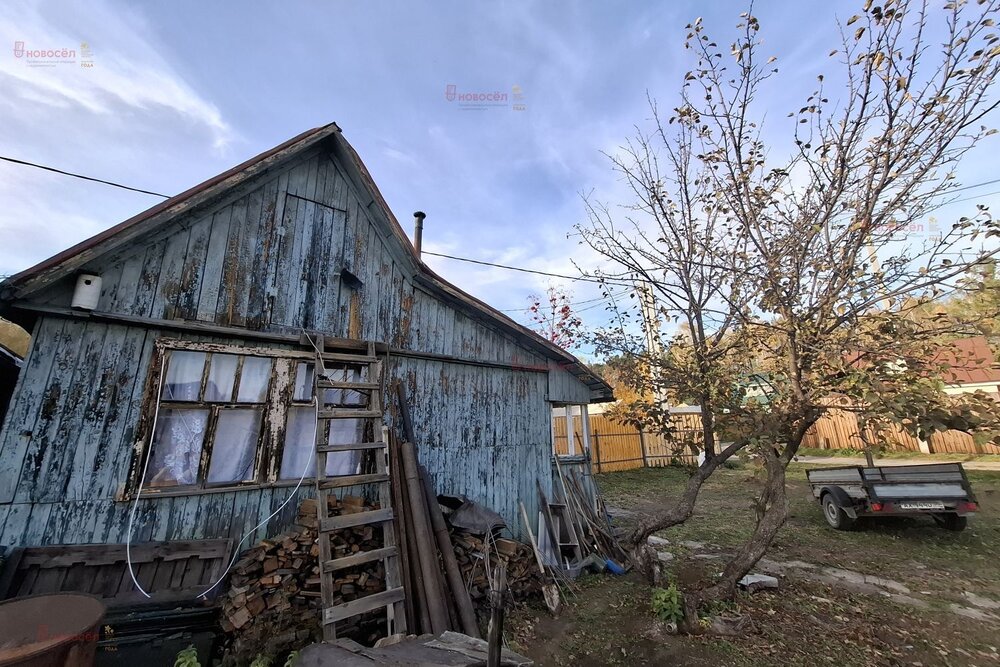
x: 835, y: 516
x: 951, y: 521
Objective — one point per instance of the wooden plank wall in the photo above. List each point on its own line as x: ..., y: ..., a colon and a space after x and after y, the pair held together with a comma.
x: 482, y: 432
x: 268, y: 257
x: 564, y: 387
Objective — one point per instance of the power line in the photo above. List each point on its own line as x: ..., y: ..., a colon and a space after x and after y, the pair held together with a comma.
x: 975, y: 185
x: 523, y: 270
x: 436, y: 254
x: 985, y: 194
x: 574, y: 303
x: 81, y: 176
x: 157, y: 194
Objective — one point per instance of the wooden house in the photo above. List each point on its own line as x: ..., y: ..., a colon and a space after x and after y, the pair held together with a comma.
x: 190, y: 316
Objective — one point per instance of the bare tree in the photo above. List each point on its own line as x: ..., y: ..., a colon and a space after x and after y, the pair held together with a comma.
x: 799, y: 249
x: 675, y: 246
x: 554, y: 318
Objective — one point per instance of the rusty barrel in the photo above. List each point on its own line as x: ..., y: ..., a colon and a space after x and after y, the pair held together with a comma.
x: 49, y: 630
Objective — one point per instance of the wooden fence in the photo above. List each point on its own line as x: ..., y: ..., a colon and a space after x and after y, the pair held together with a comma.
x: 838, y: 429
x: 615, y: 446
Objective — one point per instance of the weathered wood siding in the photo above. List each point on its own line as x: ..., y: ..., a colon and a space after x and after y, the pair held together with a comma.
x: 564, y: 387
x: 267, y: 257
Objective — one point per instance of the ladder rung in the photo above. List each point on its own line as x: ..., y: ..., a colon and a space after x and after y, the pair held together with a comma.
x: 351, y: 480
x: 359, y: 559
x: 350, y: 447
x: 347, y: 384
x: 332, y: 523
x: 349, y: 414
x: 365, y: 604
x: 350, y: 358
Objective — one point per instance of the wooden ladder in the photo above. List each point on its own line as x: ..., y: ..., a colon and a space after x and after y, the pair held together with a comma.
x: 369, y: 368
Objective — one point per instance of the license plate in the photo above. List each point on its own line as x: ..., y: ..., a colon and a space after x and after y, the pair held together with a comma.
x: 921, y: 505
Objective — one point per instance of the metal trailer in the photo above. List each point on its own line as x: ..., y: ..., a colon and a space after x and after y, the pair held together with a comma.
x: 940, y: 490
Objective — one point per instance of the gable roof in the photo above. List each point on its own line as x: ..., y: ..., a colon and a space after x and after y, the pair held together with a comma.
x: 968, y: 361
x: 72, y: 259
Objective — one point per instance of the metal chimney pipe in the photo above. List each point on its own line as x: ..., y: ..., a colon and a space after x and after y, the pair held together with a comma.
x: 418, y: 231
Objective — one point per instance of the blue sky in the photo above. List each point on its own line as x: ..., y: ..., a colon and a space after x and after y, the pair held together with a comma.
x: 180, y: 91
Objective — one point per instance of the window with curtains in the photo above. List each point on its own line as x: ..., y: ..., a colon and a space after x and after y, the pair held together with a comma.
x: 226, y: 418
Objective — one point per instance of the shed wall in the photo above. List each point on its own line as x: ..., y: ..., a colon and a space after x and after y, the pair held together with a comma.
x: 68, y: 442
x: 268, y: 256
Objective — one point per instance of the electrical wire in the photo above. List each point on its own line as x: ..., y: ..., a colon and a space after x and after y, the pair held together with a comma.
x: 601, y: 281
x: 157, y: 194
x: 574, y: 303
x: 985, y: 194
x: 975, y: 185
x: 81, y: 176
x: 523, y: 270
x: 138, y: 491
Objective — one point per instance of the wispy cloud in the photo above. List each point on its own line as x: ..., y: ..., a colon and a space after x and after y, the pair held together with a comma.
x: 131, y: 117
x: 128, y: 77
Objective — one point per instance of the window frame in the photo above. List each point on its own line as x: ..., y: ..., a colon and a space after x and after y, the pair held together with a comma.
x: 568, y: 418
x: 277, y: 403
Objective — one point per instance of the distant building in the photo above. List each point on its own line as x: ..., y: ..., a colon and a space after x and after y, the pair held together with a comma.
x: 970, y: 367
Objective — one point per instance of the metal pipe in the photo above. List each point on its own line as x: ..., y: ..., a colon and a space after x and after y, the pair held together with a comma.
x: 418, y: 231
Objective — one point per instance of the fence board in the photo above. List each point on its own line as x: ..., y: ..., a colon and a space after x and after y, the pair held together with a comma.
x: 838, y: 429
x: 615, y: 446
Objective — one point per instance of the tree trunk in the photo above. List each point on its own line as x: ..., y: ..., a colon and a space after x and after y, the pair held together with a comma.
x: 772, y: 510
x: 641, y: 555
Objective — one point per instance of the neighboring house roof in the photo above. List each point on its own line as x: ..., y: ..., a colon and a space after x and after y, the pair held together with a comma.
x: 14, y: 339
x: 72, y: 259
x: 968, y: 361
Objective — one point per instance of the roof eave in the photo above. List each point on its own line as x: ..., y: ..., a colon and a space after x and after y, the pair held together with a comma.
x: 66, y: 262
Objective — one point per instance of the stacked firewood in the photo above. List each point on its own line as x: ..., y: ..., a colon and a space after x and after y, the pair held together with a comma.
x: 473, y: 553
x: 273, y: 601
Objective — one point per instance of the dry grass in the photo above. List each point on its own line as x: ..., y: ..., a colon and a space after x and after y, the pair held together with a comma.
x: 803, y: 623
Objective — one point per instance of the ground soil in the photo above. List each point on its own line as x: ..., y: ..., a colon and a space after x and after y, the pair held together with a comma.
x: 805, y: 622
